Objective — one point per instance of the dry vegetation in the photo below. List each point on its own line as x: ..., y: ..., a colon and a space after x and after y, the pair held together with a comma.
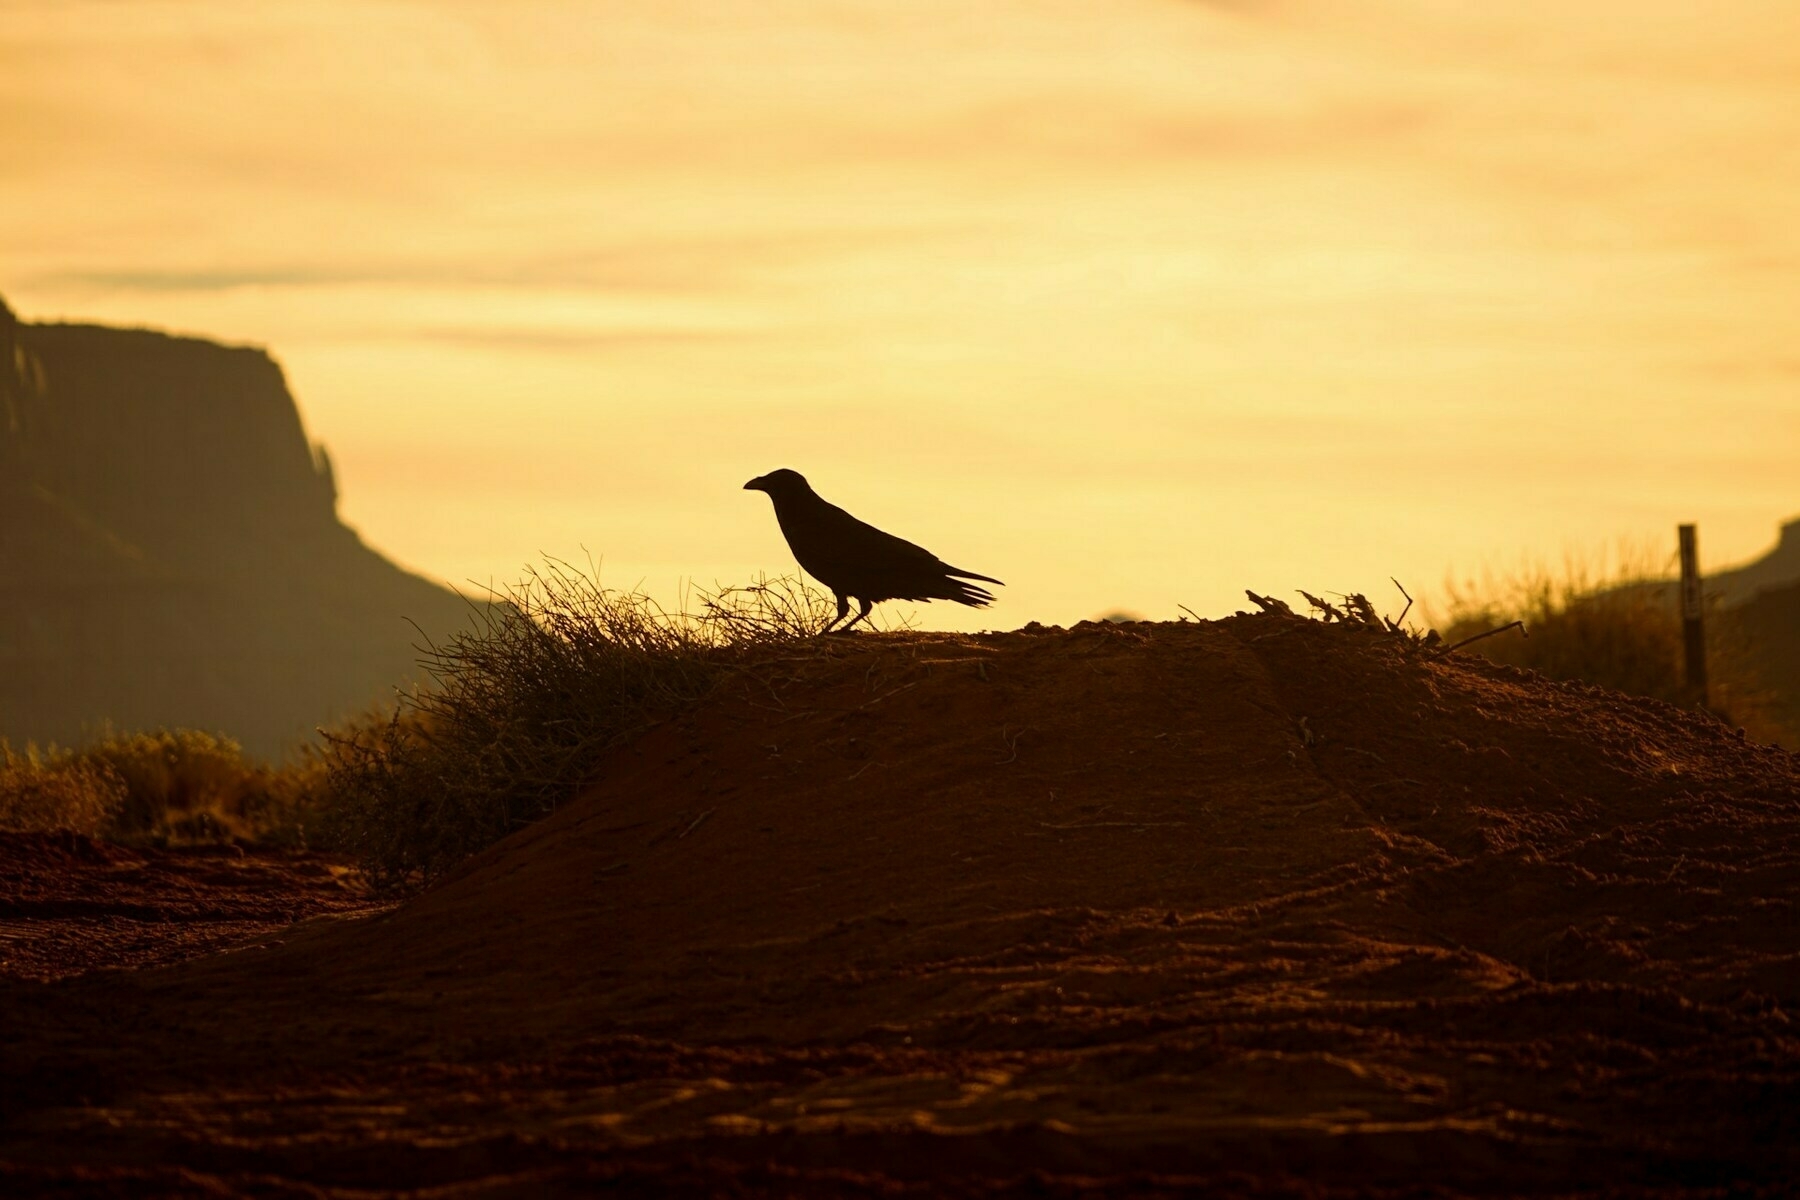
x: 162, y: 788
x: 1324, y: 906
x: 1616, y: 625
x: 517, y: 711
x: 520, y: 709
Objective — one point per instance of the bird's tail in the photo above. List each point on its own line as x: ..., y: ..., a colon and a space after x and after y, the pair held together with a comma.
x: 968, y: 593
x: 972, y: 575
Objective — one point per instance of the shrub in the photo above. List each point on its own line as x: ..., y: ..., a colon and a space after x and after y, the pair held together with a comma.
x: 57, y: 792
x: 167, y: 786
x: 519, y: 709
x: 184, y: 784
x: 516, y: 714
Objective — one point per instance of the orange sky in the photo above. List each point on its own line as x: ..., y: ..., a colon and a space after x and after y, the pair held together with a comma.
x: 1132, y: 303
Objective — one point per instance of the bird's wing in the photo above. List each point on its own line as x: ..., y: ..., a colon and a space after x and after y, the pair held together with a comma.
x: 830, y: 536
x: 854, y: 558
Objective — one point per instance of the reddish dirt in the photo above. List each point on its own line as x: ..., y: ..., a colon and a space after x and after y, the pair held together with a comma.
x: 71, y: 904
x: 1252, y: 907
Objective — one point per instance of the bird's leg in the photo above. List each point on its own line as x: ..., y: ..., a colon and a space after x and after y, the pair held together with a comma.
x: 843, y: 611
x: 861, y: 616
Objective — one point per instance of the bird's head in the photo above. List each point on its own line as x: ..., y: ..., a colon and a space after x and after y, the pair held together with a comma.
x: 779, y: 483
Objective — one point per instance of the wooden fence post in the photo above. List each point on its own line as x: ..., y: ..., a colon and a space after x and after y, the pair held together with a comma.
x: 1693, y: 634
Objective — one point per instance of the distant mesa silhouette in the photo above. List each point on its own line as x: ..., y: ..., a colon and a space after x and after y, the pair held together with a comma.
x: 856, y: 560
x: 171, y: 552
x: 1778, y: 568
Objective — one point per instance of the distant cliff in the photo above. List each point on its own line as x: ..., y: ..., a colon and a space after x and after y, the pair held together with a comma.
x: 170, y: 551
x: 1777, y: 569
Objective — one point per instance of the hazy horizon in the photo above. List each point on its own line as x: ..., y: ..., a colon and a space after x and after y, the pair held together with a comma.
x: 1132, y: 306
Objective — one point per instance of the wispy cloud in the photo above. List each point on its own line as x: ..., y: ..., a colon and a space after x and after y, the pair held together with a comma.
x: 564, y: 341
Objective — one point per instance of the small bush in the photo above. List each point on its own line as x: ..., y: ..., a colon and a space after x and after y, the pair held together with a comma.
x: 39, y: 792
x: 518, y: 710
x: 169, y: 786
x: 182, y: 784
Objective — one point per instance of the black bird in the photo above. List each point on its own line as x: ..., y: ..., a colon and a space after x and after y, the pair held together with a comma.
x: 856, y: 560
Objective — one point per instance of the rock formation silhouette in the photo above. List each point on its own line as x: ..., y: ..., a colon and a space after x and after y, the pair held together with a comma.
x: 170, y: 550
x: 1779, y: 568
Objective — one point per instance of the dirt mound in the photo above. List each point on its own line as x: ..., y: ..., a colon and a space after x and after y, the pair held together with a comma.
x: 1147, y: 903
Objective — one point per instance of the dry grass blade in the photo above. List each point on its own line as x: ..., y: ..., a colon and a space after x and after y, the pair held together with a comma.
x: 782, y: 610
x: 1469, y: 641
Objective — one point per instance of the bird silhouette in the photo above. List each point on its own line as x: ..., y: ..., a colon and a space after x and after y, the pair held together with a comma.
x: 856, y: 560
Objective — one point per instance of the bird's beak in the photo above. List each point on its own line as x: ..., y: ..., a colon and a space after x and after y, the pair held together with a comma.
x: 756, y: 485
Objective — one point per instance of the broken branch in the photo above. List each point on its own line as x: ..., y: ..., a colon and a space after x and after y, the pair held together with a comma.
x: 1269, y: 604
x: 1395, y: 624
x: 1519, y: 625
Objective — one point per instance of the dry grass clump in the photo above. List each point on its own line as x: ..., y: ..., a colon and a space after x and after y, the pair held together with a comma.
x: 519, y: 709
x: 517, y: 712
x: 1616, y: 624
x: 165, y: 787
x: 57, y: 791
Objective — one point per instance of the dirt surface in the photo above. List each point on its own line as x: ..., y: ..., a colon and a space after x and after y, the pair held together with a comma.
x: 70, y: 904
x: 1253, y: 907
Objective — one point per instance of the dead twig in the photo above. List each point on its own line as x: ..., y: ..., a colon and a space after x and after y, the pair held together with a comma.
x: 1012, y: 745
x: 1359, y: 606
x: 1325, y: 606
x: 905, y: 687
x: 696, y: 823
x: 1394, y: 625
x: 1270, y: 604
x: 1115, y: 825
x: 1519, y: 625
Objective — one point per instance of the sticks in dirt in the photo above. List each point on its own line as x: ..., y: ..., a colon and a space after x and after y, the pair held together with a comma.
x: 1394, y: 625
x: 1355, y: 610
x: 1325, y: 606
x: 1519, y: 625
x: 1270, y: 604
x: 905, y: 687
x: 1012, y: 746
